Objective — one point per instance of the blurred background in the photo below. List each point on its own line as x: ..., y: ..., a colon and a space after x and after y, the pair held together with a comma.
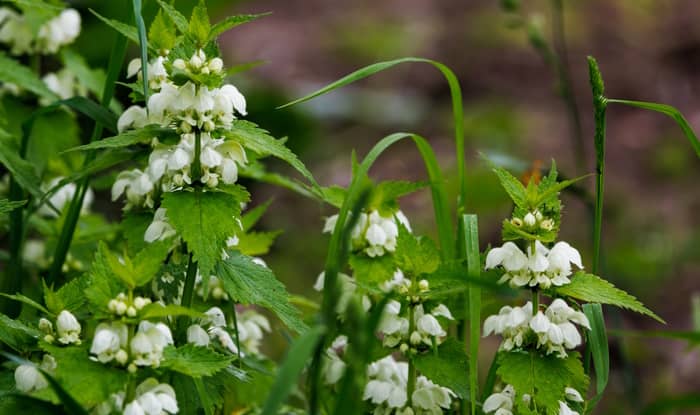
x: 515, y: 115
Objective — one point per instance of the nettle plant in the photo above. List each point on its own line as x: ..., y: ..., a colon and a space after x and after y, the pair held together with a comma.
x: 162, y: 313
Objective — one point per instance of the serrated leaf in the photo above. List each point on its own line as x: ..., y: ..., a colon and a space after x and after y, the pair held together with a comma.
x: 17, y: 335
x: 156, y: 310
x: 76, y: 372
x: 249, y: 283
x: 260, y: 141
x: 204, y: 220
x: 26, y: 300
x: 162, y: 33
x: 7, y: 205
x: 593, y: 289
x: 194, y: 361
x: 133, y: 226
x: 199, y: 25
x: 544, y: 378
x: 128, y: 31
x: 70, y: 296
x: 256, y: 243
x: 142, y: 135
x: 178, y: 19
x: 512, y: 186
x: 449, y: 367
x: 148, y: 261
x: 231, y: 22
x: 415, y: 255
x: 250, y: 217
x: 373, y: 271
x: 13, y: 72
x: 102, y: 285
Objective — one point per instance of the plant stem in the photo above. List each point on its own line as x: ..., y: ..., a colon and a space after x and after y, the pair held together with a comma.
x: 561, y: 63
x: 190, y: 277
x: 535, y: 301
x: 411, y: 385
x: 197, y: 163
x: 235, y: 332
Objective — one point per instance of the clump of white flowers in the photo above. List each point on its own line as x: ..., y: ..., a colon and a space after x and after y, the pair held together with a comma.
x: 250, y: 329
x: 395, y: 326
x: 144, y: 348
x: 122, y: 305
x: 387, y: 390
x: 110, y: 342
x: 543, y: 267
x: 152, y: 398
x: 503, y: 402
x: 373, y: 233
x: 16, y: 31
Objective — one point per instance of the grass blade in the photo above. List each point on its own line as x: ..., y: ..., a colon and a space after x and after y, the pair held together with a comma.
x: 291, y: 368
x: 143, y: 45
x: 671, y: 112
x: 470, y: 237
x: 598, y: 345
x: 599, y: 106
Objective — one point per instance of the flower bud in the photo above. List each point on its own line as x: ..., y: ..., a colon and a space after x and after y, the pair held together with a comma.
x: 49, y: 338
x: 112, y: 305
x: 205, y: 70
x: 216, y: 65
x: 547, y: 224
x: 195, y: 62
x: 538, y: 215
x: 120, y: 308
x: 121, y: 297
x: 68, y: 328
x: 415, y: 338
x: 217, y: 293
x: 403, y: 348
x: 131, y: 368
x: 423, y: 285
x: 517, y: 222
x: 121, y: 357
x: 179, y: 64
x: 529, y: 219
x: 45, y: 326
x: 131, y: 311
x: 141, y: 302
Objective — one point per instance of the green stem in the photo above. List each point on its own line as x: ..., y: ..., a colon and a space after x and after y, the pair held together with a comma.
x: 190, y: 277
x: 197, y: 163
x: 535, y: 301
x: 65, y: 238
x: 411, y: 385
x: 236, y: 338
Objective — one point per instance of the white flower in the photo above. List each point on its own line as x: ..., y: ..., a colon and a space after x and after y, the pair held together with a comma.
x: 251, y: 328
x: 68, y: 328
x: 63, y: 197
x: 500, y: 401
x: 512, y: 323
x: 28, y: 378
x: 573, y: 395
x: 148, y: 343
x: 565, y: 410
x: 345, y: 283
x: 428, y: 323
x: 133, y: 117
x: 59, y: 31
x: 392, y: 325
x: 197, y: 335
x: 333, y: 365
x: 153, y: 398
x: 109, y: 339
x: 137, y: 185
x: 237, y: 99
x: 430, y: 397
x: 224, y: 338
x: 216, y: 317
x: 15, y: 31
x: 160, y: 229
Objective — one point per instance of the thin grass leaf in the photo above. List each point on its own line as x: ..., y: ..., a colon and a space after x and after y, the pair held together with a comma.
x: 599, y: 106
x: 130, y: 32
x: 125, y: 139
x: 598, y: 344
x: 455, y: 92
x: 28, y: 301
x: 7, y: 205
x: 470, y: 238
x: 231, y: 22
x: 670, y: 111
x: 243, y: 67
x: 177, y: 17
x: 143, y: 45
x: 288, y: 373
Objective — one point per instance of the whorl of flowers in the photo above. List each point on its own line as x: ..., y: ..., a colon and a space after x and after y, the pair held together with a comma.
x: 374, y: 234
x: 16, y: 31
x: 502, y: 403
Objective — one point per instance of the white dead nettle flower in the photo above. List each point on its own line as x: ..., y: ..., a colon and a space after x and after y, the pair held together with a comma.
x: 251, y: 330
x: 501, y: 403
x: 16, y: 31
x: 346, y: 285
x: 215, y: 317
x: 157, y: 75
x: 542, y: 268
x: 68, y: 328
x: 197, y: 335
x: 429, y: 398
x: 215, y: 285
x: 110, y: 342
x: 398, y: 283
x: 224, y: 338
x: 555, y: 327
x: 512, y: 323
x: 63, y: 83
x: 115, y: 403
x: 373, y: 233
x: 160, y: 229
x: 28, y: 378
x: 148, y: 343
x: 573, y: 395
x: 62, y: 198
x: 333, y: 365
x: 133, y: 117
x: 393, y: 326
x: 138, y: 188
x: 565, y: 410
x: 152, y: 398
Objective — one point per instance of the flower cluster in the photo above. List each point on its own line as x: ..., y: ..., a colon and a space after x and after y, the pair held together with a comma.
x: 250, y: 327
x: 28, y: 378
x: 150, y: 398
x: 533, y: 221
x: 387, y: 389
x: 395, y: 326
x: 503, y: 402
x: 543, y: 267
x: 554, y: 329
x: 67, y: 329
x: 122, y: 305
x: 145, y: 347
x: 374, y: 234
x: 16, y: 31
x: 198, y: 114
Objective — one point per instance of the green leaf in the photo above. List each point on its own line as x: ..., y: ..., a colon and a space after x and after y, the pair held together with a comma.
x: 127, y: 138
x: 231, y: 22
x: 156, y: 310
x: 252, y: 216
x: 103, y: 285
x: 544, y: 378
x: 384, y: 195
x: 13, y: 72
x: 448, y: 367
x: 249, y: 283
x: 194, y: 361
x: 76, y: 372
x: 512, y: 186
x: 470, y: 243
x: 18, y: 335
x: 7, y: 206
x: 204, y: 220
x: 288, y: 373
x: 670, y: 111
x: 162, y: 33
x: 593, y: 289
x: 22, y: 171
x: 256, y: 243
x: 260, y: 141
x: 143, y: 45
x: 71, y: 296
x: 415, y: 255
x: 178, y: 19
x: 374, y: 271
x: 26, y: 300
x: 93, y: 110
x: 597, y: 342
x: 148, y: 261
x: 93, y: 80
x: 199, y: 26
x: 126, y: 30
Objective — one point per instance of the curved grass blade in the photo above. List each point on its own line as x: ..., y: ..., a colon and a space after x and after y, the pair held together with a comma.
x: 291, y: 368
x: 598, y: 345
x: 600, y: 107
x: 130, y: 32
x: 470, y: 238
x: 669, y: 111
x: 143, y: 45
x: 457, y: 105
